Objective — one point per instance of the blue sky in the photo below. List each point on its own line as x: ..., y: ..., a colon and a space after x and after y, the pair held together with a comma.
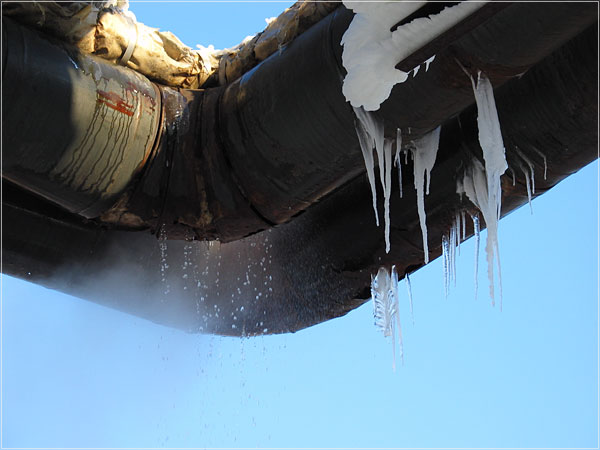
x: 75, y: 374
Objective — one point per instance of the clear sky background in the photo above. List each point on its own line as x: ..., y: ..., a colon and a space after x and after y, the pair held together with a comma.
x: 75, y: 374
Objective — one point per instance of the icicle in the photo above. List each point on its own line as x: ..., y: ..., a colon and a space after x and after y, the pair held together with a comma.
x: 531, y: 169
x: 429, y: 61
x: 528, y: 184
x: 545, y: 166
x: 387, y: 190
x: 460, y: 189
x: 476, y: 189
x: 398, y: 144
x: 424, y: 155
x: 464, y: 225
x: 514, y: 178
x: 397, y: 160
x: 544, y: 158
x: 415, y: 71
x: 458, y: 229
x: 446, y: 263
x: 365, y: 125
x: 370, y: 133
x: 477, y: 238
x: 487, y: 194
x: 396, y: 296
x: 384, y: 292
x: 410, y: 297
x: 452, y: 253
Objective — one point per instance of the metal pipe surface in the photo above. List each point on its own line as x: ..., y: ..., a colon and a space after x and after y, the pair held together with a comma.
x: 76, y: 130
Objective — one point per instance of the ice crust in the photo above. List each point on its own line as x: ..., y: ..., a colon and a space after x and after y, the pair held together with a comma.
x: 371, y: 51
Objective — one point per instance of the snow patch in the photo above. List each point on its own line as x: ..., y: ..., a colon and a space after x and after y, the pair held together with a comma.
x: 371, y: 51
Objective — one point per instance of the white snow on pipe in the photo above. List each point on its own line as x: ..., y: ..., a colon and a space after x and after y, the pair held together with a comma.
x: 371, y: 51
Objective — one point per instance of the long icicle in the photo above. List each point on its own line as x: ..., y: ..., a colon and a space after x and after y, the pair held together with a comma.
x: 397, y: 159
x: 476, y: 231
x: 490, y: 139
x: 446, y: 263
x: 410, y: 297
x: 424, y: 155
x: 364, y: 126
x: 387, y: 190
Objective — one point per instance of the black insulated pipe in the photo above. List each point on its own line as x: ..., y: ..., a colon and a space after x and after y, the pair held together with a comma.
x: 311, y: 271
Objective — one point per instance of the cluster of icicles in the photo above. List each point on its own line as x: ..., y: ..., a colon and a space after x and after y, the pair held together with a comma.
x: 480, y: 183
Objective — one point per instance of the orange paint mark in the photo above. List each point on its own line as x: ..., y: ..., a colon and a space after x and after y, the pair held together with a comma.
x: 114, y: 101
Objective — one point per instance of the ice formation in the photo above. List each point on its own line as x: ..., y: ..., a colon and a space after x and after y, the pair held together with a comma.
x: 528, y: 185
x: 530, y: 182
x: 397, y: 159
x: 370, y: 135
x: 445, y: 262
x: 429, y: 61
x: 450, y: 249
x: 424, y: 154
x: 384, y: 292
x: 545, y: 161
x: 366, y: 127
x: 475, y: 186
x: 512, y: 172
x: 410, y: 297
x: 371, y: 50
x: 488, y: 200
x: 387, y: 150
x: 476, y: 231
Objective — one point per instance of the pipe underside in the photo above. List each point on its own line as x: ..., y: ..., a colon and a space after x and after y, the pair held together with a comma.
x: 236, y: 160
